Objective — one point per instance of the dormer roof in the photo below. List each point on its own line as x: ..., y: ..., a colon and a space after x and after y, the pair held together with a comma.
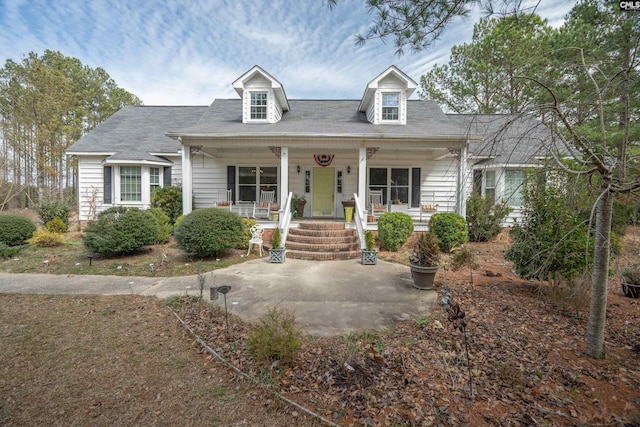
x: 242, y: 82
x: 393, y: 72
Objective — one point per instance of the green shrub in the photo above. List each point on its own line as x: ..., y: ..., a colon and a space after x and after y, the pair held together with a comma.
x: 46, y: 239
x: 276, y: 239
x: 247, y: 223
x: 484, y: 217
x: 15, y: 229
x: 10, y: 251
x: 164, y: 225
x: 169, y: 199
x: 121, y: 231
x: 394, y: 229
x: 276, y: 338
x: 178, y: 221
x: 56, y: 225
x: 208, y: 232
x: 369, y: 240
x: 50, y: 208
x: 551, y: 240
x: 450, y: 229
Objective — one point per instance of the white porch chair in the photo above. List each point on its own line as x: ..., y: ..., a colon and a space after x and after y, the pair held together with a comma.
x: 256, y: 237
x: 267, y: 197
x: 376, y: 204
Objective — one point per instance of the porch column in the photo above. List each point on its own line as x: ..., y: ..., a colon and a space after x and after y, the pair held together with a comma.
x: 462, y: 181
x: 362, y: 178
x: 284, y: 176
x: 187, y: 187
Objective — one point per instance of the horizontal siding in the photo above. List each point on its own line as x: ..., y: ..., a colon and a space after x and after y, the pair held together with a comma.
x: 91, y: 186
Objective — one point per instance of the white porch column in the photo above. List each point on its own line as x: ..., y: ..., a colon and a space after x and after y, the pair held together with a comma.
x: 187, y: 187
x: 362, y: 177
x: 284, y: 176
x: 462, y: 181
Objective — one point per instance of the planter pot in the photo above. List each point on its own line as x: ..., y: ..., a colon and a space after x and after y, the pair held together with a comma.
x: 277, y: 256
x: 300, y: 209
x: 423, y: 277
x: 348, y: 214
x: 274, y: 215
x: 631, y: 290
x: 369, y: 257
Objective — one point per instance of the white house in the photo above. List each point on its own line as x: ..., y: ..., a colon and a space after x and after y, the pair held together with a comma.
x: 326, y: 150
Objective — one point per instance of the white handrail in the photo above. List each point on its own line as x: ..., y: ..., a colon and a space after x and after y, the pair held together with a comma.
x: 361, y: 222
x: 285, y: 220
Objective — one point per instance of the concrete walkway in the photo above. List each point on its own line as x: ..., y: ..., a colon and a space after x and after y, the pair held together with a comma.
x: 328, y: 298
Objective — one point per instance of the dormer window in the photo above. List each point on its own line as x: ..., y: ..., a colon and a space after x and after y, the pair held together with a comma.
x: 258, y: 105
x: 390, y: 106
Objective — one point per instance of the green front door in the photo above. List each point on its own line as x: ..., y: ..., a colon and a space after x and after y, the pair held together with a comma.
x: 322, y: 198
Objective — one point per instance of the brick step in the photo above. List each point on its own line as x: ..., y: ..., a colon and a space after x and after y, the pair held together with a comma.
x: 322, y: 240
x: 321, y: 225
x: 322, y: 256
x: 321, y: 232
x: 327, y: 247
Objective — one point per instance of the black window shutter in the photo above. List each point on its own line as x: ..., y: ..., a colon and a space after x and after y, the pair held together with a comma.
x: 231, y: 181
x: 107, y: 185
x: 166, y: 176
x: 415, y: 187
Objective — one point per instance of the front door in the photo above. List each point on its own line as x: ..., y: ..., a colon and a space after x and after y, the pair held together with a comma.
x: 322, y: 198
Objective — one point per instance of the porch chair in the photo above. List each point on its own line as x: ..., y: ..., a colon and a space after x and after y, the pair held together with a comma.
x: 256, y: 237
x: 225, y: 204
x: 267, y: 197
x: 376, y: 204
x: 428, y: 206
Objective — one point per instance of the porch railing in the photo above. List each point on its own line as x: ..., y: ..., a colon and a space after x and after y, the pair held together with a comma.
x: 361, y: 221
x: 285, y: 220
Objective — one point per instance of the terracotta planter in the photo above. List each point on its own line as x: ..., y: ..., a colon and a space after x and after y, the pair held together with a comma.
x: 423, y: 277
x: 631, y: 290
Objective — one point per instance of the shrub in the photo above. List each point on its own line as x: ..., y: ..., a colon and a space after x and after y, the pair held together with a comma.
x: 276, y: 239
x: 394, y: 228
x: 247, y: 223
x: 56, y: 225
x: 164, y: 225
x: 10, y: 251
x: 121, y: 231
x: 450, y: 229
x: 15, y: 229
x: 178, y: 221
x: 46, y: 239
x: 426, y: 251
x: 169, y: 199
x: 551, y: 240
x: 484, y: 217
x: 276, y: 338
x: 50, y: 208
x: 369, y: 240
x: 208, y: 232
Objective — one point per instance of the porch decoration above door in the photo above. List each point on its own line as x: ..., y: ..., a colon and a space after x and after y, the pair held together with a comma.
x: 323, y: 160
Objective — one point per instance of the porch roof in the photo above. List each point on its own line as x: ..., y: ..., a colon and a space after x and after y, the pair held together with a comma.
x: 325, y: 119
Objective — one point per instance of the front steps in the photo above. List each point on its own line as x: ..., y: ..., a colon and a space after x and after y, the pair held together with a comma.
x: 322, y: 241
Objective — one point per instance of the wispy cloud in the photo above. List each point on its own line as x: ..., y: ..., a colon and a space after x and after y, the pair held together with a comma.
x: 183, y: 52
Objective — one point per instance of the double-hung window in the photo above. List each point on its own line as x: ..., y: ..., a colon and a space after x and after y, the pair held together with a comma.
x: 513, y: 187
x: 253, y: 179
x: 490, y: 185
x: 394, y: 183
x: 390, y: 106
x: 154, y: 178
x: 130, y: 183
x: 258, y: 105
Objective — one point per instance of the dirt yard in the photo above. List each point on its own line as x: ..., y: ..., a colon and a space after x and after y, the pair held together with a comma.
x: 126, y: 361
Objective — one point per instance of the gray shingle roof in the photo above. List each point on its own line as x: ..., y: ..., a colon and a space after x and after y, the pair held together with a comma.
x: 508, y: 138
x: 138, y: 129
x: 425, y: 119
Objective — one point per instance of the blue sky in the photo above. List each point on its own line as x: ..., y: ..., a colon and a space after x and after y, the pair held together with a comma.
x: 188, y: 52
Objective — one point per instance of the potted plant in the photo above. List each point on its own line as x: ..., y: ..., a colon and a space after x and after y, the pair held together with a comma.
x: 370, y: 254
x: 297, y: 205
x: 276, y: 252
x: 631, y: 281
x: 424, y: 261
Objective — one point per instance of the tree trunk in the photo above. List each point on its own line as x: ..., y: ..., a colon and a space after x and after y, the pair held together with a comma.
x: 598, y: 310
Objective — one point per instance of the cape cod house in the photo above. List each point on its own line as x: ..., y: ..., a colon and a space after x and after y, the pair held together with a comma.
x: 416, y: 158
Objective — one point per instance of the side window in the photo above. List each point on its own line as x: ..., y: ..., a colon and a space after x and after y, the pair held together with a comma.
x: 154, y: 178
x: 490, y: 185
